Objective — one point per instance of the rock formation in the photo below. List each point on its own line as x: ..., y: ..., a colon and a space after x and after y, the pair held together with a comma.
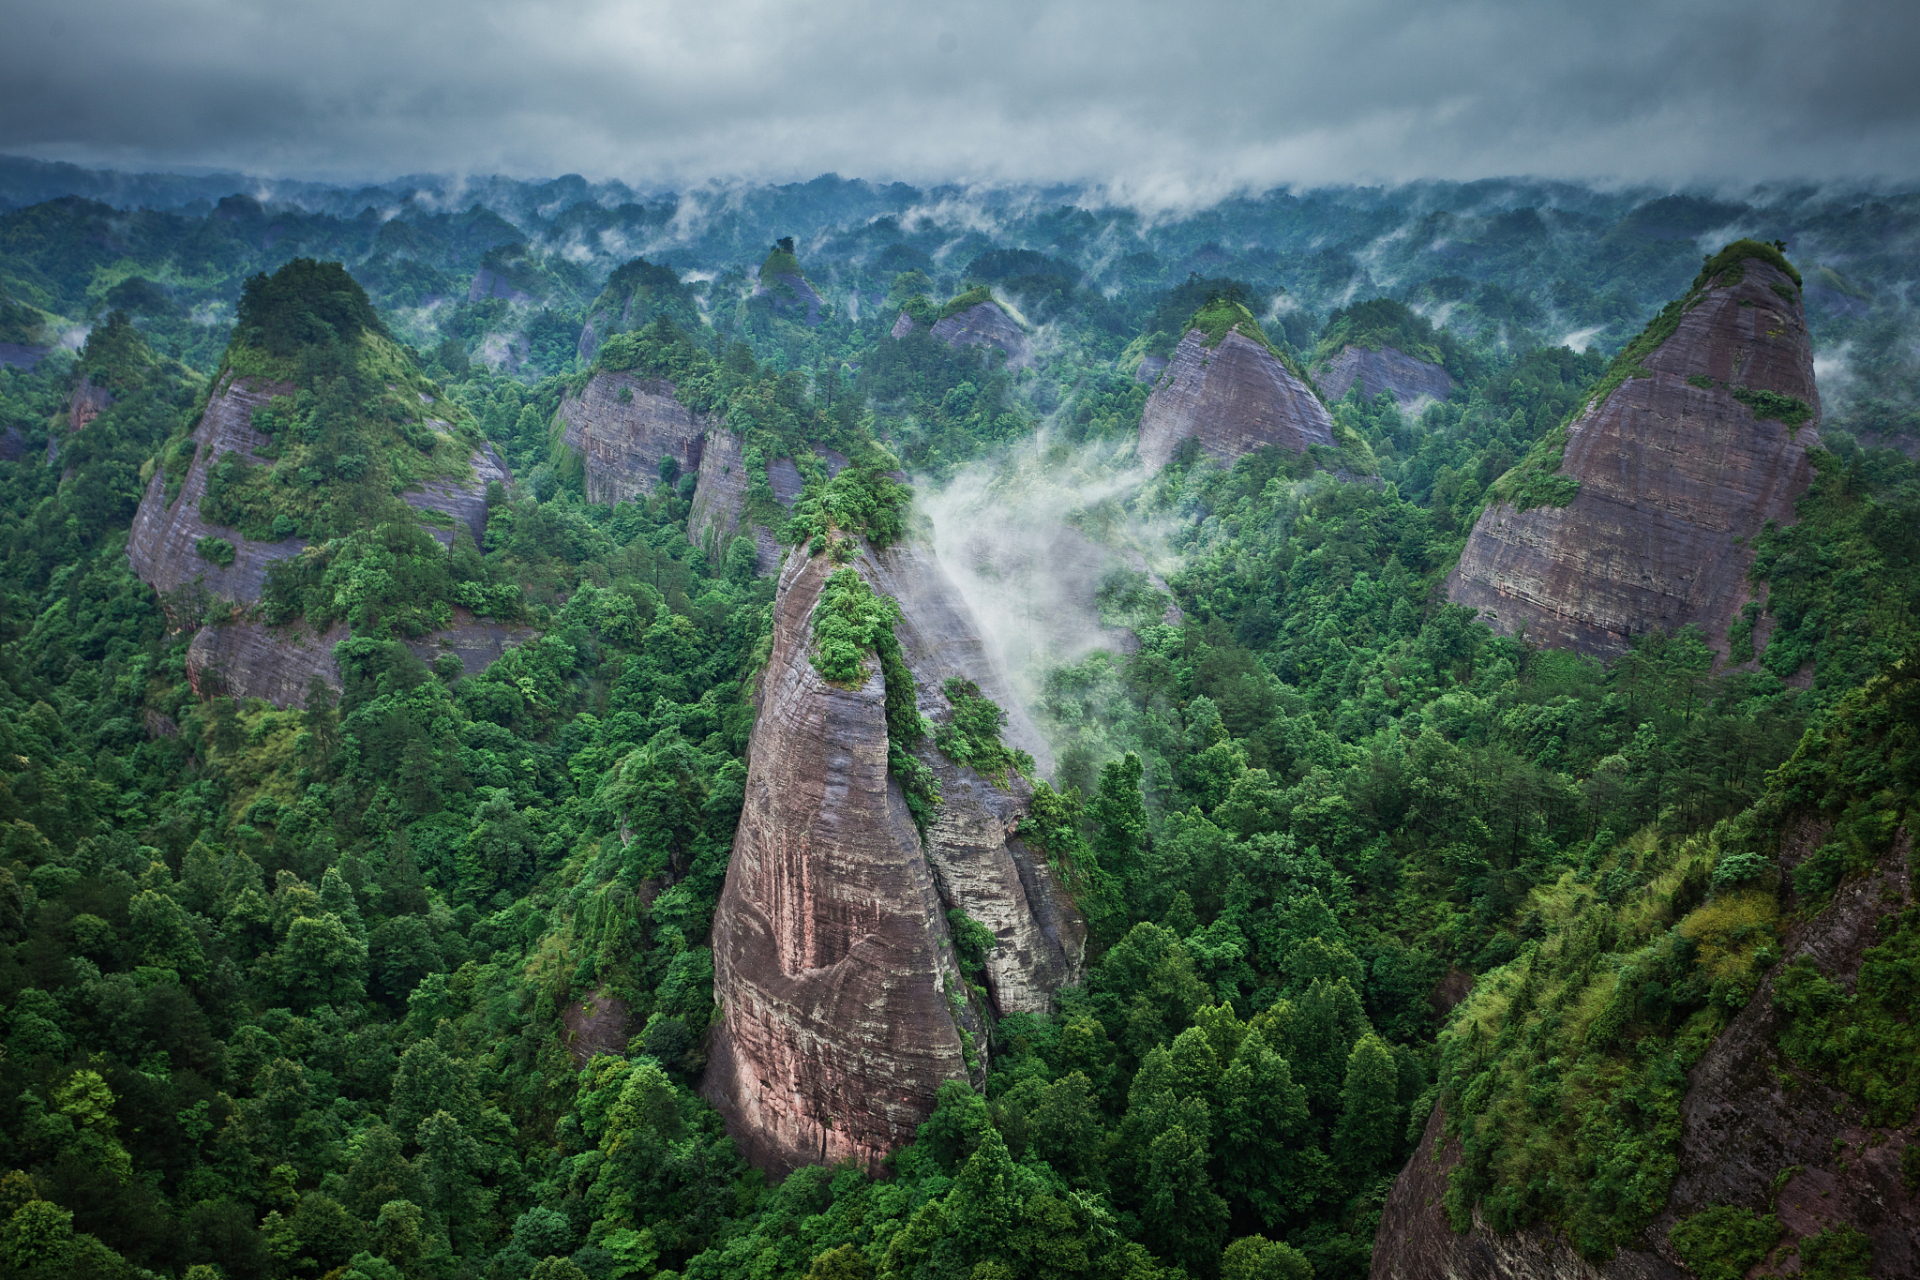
x: 1234, y: 397
x: 1389, y: 369
x: 1749, y: 1117
x: 782, y: 282
x: 985, y: 325
x: 88, y: 401
x: 161, y: 545
x: 465, y: 501
x: 844, y: 1006
x: 720, y: 498
x: 622, y: 439
x: 1676, y: 475
x: 246, y: 658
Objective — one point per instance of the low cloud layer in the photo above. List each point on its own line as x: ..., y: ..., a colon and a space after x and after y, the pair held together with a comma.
x: 1163, y: 103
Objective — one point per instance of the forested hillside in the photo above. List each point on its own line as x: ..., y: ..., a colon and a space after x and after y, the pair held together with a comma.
x: 413, y: 979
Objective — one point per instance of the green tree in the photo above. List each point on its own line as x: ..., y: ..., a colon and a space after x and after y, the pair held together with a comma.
x: 1367, y: 1135
x: 321, y: 962
x: 165, y: 937
x: 1258, y: 1258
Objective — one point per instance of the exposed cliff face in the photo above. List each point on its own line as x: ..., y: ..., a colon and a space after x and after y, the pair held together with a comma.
x: 161, y: 545
x: 1676, y: 477
x: 1234, y: 397
x: 465, y: 501
x: 1388, y: 369
x: 720, y: 498
x: 986, y: 325
x: 623, y: 441
x: 793, y: 297
x: 246, y: 658
x: 1749, y: 1117
x: 88, y: 402
x: 844, y: 1007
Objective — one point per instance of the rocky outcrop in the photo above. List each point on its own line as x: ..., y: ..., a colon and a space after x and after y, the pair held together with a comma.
x: 245, y: 657
x: 465, y: 501
x: 902, y: 327
x: 161, y: 545
x: 1151, y: 367
x: 622, y: 440
x: 488, y: 283
x: 844, y: 1008
x: 985, y: 325
x: 88, y: 401
x: 20, y: 356
x: 1389, y: 370
x: 1749, y: 1117
x: 793, y: 297
x: 1676, y: 475
x: 1234, y: 397
x: 720, y: 498
x: 250, y: 659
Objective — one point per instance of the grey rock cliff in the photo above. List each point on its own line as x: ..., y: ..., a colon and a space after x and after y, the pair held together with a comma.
x: 984, y: 325
x: 1389, y: 369
x: 843, y: 1005
x: 623, y: 441
x: 245, y: 658
x: 1676, y: 479
x: 1234, y: 397
x: 793, y: 297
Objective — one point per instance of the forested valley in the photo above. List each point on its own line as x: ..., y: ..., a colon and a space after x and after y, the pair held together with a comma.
x: 409, y: 973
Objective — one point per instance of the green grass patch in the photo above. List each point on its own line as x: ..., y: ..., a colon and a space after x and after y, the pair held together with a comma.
x: 214, y: 551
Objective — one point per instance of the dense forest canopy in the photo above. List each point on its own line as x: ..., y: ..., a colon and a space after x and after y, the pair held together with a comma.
x: 303, y: 991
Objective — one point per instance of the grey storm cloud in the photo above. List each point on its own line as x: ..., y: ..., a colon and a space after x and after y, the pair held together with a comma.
x: 1161, y: 101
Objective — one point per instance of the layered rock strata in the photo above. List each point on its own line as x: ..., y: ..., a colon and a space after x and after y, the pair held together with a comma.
x: 1749, y: 1117
x: 1407, y: 379
x: 982, y: 325
x: 465, y: 501
x: 844, y: 1007
x: 1676, y: 476
x: 1234, y: 397
x: 622, y: 441
x: 720, y: 498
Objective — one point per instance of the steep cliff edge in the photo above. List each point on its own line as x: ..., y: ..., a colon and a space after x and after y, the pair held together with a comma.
x: 844, y: 1002
x: 622, y: 426
x: 1698, y: 438
x: 984, y: 324
x: 1409, y: 379
x: 1226, y: 387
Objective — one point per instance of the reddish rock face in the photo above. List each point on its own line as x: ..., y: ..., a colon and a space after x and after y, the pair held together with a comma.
x: 843, y: 1003
x: 983, y: 325
x: 1234, y: 397
x: 622, y: 442
x: 1388, y: 369
x: 87, y: 403
x: 1675, y: 481
x: 719, y: 498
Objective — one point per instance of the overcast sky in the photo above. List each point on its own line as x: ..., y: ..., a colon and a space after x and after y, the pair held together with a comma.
x: 1171, y: 100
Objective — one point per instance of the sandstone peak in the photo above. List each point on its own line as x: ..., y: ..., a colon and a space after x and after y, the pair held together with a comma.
x: 1640, y: 513
x: 845, y: 1007
x: 782, y: 280
x: 1227, y: 386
